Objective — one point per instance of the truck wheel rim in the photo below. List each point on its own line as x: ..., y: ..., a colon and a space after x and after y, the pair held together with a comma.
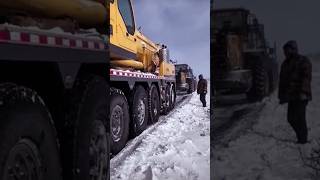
x: 117, y: 123
x: 23, y: 162
x: 141, y: 112
x: 155, y: 106
x: 98, y: 152
x: 155, y: 111
x: 168, y: 96
x: 172, y: 94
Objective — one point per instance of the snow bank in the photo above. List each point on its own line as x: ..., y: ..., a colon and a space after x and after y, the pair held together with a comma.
x: 83, y: 33
x: 178, y: 149
x: 268, y: 150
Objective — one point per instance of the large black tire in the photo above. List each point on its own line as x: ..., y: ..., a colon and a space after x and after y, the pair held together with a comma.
x: 109, y: 151
x: 154, y: 104
x: 261, y: 83
x: 140, y: 110
x: 191, y: 86
x: 119, y: 120
x: 91, y: 149
x: 173, y: 97
x: 28, y: 146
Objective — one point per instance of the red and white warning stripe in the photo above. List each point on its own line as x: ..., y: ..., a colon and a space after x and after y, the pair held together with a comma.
x: 50, y: 40
x: 115, y: 72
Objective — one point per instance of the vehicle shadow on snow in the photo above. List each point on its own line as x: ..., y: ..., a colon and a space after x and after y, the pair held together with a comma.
x: 134, y: 142
x: 229, y: 100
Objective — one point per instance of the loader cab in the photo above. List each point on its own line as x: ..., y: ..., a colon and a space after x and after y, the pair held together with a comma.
x: 123, y: 29
x: 256, y: 42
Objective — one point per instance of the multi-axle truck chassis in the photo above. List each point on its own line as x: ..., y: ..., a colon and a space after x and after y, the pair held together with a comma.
x: 53, y: 105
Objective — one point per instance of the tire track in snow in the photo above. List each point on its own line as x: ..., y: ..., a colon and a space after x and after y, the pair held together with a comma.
x: 177, y: 148
x: 241, y: 119
x: 133, y: 144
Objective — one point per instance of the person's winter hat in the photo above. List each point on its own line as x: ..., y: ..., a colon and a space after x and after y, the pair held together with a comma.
x: 200, y: 76
x: 291, y: 44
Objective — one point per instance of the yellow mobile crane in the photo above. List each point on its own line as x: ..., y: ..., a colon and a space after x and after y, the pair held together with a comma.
x: 142, y: 77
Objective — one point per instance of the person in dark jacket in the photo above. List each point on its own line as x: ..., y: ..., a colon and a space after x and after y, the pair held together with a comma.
x: 202, y: 90
x: 295, y: 89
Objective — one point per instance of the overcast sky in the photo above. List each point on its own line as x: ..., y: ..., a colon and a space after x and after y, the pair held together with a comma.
x: 183, y: 25
x: 285, y: 20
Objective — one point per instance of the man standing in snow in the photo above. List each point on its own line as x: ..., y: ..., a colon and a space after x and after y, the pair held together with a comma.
x: 295, y: 89
x: 202, y: 90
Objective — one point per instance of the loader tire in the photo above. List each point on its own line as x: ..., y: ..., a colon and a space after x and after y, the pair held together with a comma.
x: 119, y: 120
x: 28, y: 146
x: 89, y: 119
x: 140, y: 110
x: 154, y: 104
x: 191, y: 87
x: 261, y: 83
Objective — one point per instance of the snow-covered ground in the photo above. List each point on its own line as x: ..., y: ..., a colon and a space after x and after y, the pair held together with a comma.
x: 267, y: 151
x: 177, y: 149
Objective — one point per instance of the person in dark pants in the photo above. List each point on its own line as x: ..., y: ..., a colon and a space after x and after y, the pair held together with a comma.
x: 295, y: 89
x: 202, y: 90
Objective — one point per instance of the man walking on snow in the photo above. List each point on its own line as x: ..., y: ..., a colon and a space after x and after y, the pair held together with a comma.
x: 202, y: 90
x: 295, y: 89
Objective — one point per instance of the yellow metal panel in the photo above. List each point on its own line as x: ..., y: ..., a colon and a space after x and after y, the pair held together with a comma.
x: 85, y: 12
x: 113, y: 22
x: 167, y: 69
x: 127, y: 64
x: 234, y: 51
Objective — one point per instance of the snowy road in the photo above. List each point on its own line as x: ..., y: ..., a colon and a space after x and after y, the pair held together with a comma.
x: 233, y: 115
x: 266, y: 149
x: 175, y: 148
